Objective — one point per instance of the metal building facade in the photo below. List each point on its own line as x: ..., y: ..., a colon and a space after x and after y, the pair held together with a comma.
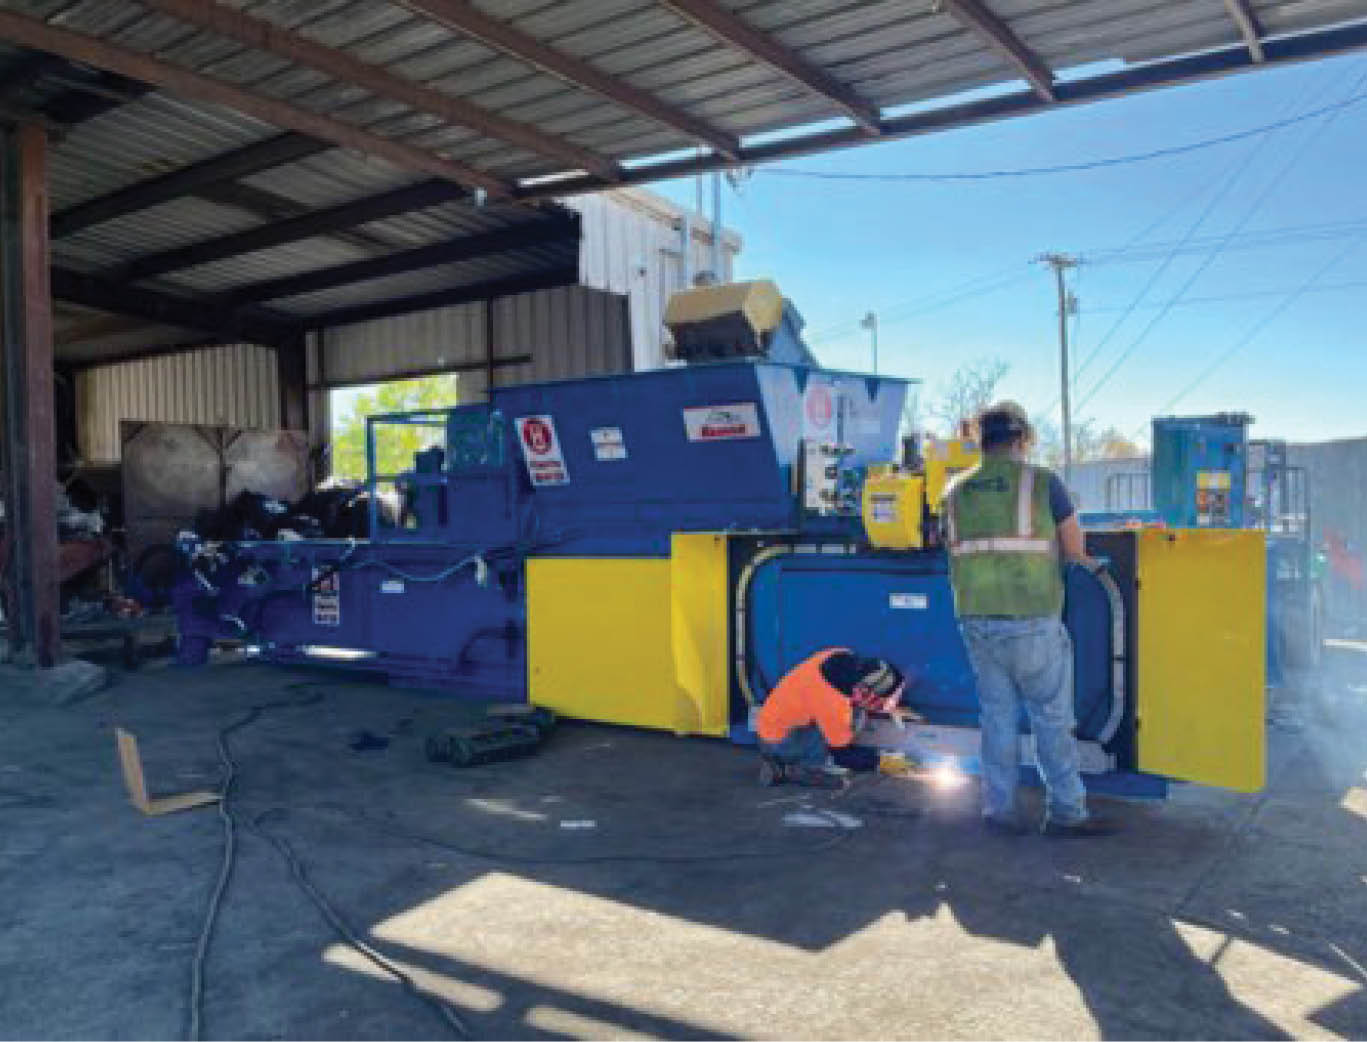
x: 550, y: 334
x: 234, y: 385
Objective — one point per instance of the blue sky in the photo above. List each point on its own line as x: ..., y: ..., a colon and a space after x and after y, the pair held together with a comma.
x: 1295, y: 360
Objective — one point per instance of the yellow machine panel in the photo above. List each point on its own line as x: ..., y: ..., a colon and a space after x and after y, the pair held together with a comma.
x: 1201, y: 655
x: 944, y: 458
x: 637, y: 641
x: 892, y: 508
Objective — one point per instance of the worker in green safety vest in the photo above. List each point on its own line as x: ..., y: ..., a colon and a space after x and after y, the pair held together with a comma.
x: 1008, y: 526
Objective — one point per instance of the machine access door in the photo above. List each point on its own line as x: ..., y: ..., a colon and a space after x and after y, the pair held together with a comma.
x: 1201, y: 663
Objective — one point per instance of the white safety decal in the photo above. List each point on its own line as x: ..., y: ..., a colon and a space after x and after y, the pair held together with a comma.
x: 722, y: 422
x: 608, y: 443
x: 908, y: 601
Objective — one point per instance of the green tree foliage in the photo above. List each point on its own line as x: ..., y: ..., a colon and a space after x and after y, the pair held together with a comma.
x: 395, y: 445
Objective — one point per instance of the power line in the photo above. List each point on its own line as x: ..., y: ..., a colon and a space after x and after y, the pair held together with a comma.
x: 976, y: 287
x: 1068, y: 168
x: 1257, y: 328
x: 1210, y: 259
x: 1256, y: 294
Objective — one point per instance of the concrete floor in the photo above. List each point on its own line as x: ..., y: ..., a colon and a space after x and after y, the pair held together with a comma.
x: 1213, y: 916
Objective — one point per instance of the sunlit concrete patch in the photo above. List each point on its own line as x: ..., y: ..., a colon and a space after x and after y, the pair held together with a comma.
x: 1288, y: 992
x: 504, y: 809
x: 610, y: 955
x: 1355, y: 801
x: 563, y: 1022
x: 458, y: 992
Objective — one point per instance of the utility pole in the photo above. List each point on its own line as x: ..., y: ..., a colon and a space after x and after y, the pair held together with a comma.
x: 870, y: 322
x: 1061, y: 262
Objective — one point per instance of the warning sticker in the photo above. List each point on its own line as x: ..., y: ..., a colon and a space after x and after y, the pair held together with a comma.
x: 883, y: 508
x: 608, y: 443
x: 541, y: 451
x: 722, y: 422
x: 327, y: 597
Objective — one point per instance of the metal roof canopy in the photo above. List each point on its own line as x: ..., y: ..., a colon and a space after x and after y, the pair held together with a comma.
x: 251, y: 169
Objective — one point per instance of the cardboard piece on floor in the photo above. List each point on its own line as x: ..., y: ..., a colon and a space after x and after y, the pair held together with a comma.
x: 136, y: 783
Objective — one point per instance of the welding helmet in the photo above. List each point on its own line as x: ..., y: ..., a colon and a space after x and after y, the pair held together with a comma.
x: 1004, y: 422
x: 879, y: 687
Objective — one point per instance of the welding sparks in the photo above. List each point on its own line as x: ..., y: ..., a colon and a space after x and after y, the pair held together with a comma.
x: 947, y: 776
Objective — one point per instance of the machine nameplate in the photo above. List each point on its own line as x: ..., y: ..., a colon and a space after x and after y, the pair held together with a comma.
x: 722, y: 422
x: 908, y: 601
x: 541, y: 451
x: 392, y: 586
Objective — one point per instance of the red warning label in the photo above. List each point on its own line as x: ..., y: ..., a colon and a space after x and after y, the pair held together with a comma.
x: 722, y: 422
x: 541, y: 451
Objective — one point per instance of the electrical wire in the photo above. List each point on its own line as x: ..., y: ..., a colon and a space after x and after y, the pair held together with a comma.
x: 1260, y: 325
x: 229, y: 853
x: 346, y: 933
x: 1295, y: 156
x: 1254, y: 294
x: 1069, y: 168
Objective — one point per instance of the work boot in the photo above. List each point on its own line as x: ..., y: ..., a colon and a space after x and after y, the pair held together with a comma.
x: 1083, y: 829
x: 771, y: 772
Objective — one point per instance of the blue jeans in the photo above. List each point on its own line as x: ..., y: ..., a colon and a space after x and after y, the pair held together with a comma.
x: 802, y: 747
x: 1026, y: 661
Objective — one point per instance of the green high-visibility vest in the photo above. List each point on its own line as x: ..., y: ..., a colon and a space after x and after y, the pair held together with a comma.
x: 1002, y: 541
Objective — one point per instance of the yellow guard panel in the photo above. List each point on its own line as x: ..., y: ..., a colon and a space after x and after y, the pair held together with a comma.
x: 1201, y: 645
x: 892, y: 509
x: 636, y: 641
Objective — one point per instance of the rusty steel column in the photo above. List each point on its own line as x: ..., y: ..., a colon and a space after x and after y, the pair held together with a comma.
x: 29, y: 458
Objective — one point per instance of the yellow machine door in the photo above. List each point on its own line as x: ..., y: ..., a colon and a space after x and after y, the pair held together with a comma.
x: 1202, y: 606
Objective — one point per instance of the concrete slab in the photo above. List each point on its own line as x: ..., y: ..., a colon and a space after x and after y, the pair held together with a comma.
x: 688, y: 909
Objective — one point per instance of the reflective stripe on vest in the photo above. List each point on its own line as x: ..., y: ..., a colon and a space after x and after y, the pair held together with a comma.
x: 1001, y: 539
x: 1024, y: 541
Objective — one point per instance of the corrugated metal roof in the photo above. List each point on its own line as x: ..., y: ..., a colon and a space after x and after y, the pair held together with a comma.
x: 891, y: 53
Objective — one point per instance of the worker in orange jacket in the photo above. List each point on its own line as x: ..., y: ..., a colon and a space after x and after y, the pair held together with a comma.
x: 813, y: 710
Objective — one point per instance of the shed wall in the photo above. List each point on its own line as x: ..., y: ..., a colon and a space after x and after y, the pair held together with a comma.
x: 233, y: 385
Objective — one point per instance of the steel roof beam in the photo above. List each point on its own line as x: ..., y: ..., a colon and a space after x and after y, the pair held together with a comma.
x: 533, y: 233
x: 464, y: 18
x: 188, y: 312
x: 977, y: 17
x: 277, y: 233
x: 739, y: 35
x: 38, y: 35
x: 566, y: 275
x: 1241, y: 11
x: 299, y: 50
x: 274, y: 151
x: 1152, y: 76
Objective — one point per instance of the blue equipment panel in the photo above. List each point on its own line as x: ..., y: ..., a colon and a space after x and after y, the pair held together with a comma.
x: 1200, y: 470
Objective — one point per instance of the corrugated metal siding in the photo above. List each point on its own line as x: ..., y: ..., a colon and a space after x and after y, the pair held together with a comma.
x: 426, y: 341
x: 570, y: 331
x: 235, y: 385
x: 631, y: 245
x: 1126, y: 479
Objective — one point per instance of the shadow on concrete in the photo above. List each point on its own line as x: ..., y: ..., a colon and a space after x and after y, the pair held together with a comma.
x: 659, y: 919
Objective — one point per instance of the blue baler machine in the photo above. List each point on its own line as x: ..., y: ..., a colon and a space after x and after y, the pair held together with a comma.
x: 656, y: 549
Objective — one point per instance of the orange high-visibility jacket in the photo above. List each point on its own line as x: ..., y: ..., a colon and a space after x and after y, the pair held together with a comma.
x: 805, y: 697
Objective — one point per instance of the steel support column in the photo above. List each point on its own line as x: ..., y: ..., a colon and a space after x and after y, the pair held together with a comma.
x: 28, y: 455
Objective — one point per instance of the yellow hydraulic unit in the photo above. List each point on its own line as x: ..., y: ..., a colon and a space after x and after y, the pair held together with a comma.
x: 894, y: 508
